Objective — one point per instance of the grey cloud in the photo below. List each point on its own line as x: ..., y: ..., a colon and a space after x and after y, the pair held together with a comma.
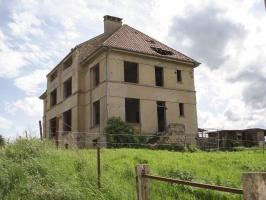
x: 209, y: 33
x: 254, y: 93
x: 232, y: 116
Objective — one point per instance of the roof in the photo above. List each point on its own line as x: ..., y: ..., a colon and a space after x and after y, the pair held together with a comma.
x: 130, y: 39
x: 43, y: 95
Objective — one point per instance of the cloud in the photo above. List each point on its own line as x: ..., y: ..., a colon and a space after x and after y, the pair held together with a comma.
x: 31, y: 106
x: 205, y: 34
x: 11, y: 61
x: 32, y: 83
x: 254, y: 93
x: 24, y: 23
x: 5, y: 123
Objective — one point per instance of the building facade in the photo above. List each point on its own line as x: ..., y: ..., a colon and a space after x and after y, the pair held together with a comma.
x: 120, y: 73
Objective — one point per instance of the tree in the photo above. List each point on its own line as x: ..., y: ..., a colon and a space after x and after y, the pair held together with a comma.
x: 119, y: 133
x: 2, y: 141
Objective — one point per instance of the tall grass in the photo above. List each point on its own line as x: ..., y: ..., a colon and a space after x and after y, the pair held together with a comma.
x: 30, y: 169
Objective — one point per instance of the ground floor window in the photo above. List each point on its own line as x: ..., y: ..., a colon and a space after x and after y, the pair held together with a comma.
x: 132, y: 110
x: 53, y: 127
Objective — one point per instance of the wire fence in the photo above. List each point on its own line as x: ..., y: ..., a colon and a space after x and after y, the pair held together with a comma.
x: 186, y: 141
x: 107, y: 172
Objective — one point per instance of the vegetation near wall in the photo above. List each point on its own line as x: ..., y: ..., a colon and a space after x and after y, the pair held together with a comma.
x: 119, y: 133
x: 31, y: 169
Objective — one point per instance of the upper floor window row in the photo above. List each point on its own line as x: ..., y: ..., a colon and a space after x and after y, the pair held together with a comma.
x: 95, y: 75
x: 53, y: 76
x: 66, y: 65
x: 131, y: 74
x: 53, y: 98
x: 67, y: 88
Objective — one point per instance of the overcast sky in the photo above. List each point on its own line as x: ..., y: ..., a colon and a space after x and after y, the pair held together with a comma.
x: 228, y: 37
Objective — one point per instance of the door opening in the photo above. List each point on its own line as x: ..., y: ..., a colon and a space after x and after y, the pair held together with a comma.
x: 161, y: 116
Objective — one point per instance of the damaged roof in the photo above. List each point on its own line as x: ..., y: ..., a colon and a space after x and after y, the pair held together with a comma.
x: 130, y: 39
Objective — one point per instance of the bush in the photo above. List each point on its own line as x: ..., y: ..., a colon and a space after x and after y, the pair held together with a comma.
x: 119, y: 132
x: 2, y: 142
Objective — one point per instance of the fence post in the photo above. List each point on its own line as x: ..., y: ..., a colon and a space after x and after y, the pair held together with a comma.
x: 143, y: 184
x: 99, y: 165
x: 254, y: 186
x: 40, y: 127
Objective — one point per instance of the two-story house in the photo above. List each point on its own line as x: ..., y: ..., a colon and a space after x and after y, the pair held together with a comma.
x: 122, y: 73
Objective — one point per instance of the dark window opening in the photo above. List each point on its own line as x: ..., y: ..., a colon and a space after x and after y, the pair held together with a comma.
x: 53, y: 76
x: 130, y: 72
x: 132, y: 110
x: 96, y: 113
x: 68, y: 62
x: 53, y: 127
x: 161, y: 116
x: 68, y: 88
x: 67, y: 120
x: 181, y: 109
x: 53, y: 97
x: 159, y: 76
x: 178, y: 76
x: 162, y: 51
x: 95, y: 75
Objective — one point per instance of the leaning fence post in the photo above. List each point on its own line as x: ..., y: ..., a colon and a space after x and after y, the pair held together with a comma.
x: 143, y: 184
x: 254, y: 186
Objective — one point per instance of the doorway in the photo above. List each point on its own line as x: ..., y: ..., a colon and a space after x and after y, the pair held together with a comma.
x: 161, y: 116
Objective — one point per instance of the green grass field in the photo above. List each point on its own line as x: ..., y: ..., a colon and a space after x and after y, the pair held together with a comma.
x: 30, y: 169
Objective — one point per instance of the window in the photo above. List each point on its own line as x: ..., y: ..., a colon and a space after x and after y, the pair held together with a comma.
x: 68, y: 88
x: 159, y: 76
x: 181, y: 109
x: 132, y: 110
x: 53, y: 97
x: 67, y: 120
x: 68, y: 62
x: 96, y: 113
x: 53, y: 127
x: 95, y: 72
x: 178, y: 76
x: 53, y: 76
x: 130, y: 72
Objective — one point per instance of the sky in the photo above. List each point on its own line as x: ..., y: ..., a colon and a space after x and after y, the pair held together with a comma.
x: 228, y: 37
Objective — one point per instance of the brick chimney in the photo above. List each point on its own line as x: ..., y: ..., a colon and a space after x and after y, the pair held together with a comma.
x: 111, y: 23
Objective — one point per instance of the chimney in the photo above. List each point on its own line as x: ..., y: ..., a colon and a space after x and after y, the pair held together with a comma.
x: 111, y: 23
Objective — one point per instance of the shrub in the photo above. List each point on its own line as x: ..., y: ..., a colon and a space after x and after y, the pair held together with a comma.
x: 119, y: 132
x: 2, y: 142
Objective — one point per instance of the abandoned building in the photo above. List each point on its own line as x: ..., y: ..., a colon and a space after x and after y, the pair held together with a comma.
x: 227, y: 139
x: 120, y: 73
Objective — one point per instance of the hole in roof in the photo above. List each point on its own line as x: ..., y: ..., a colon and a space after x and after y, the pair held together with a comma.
x: 162, y: 51
x: 150, y: 41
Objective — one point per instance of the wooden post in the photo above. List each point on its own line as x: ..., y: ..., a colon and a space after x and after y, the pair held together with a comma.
x: 263, y: 146
x: 99, y: 165
x: 143, y: 184
x: 254, y: 186
x: 40, y: 126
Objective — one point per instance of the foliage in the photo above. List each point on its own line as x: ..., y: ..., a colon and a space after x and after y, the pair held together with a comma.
x: 119, y: 132
x: 2, y: 141
x: 36, y: 170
